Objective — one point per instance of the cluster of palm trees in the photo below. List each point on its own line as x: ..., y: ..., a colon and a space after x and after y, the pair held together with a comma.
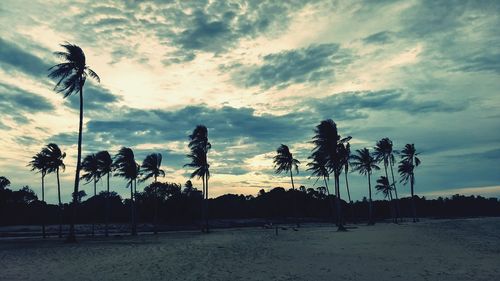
x: 97, y: 166
x: 332, y: 155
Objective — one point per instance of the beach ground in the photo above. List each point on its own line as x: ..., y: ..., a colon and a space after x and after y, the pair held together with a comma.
x: 463, y: 249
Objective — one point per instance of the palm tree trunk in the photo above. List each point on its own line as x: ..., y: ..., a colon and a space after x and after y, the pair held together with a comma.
x: 339, y: 202
x: 71, y: 235
x: 60, y: 204
x: 294, y: 200
x: 106, y: 231
x: 349, y: 197
x: 393, y: 210
x: 203, y: 204
x: 331, y: 201
x: 132, y: 209
x: 93, y: 222
x: 43, y: 205
x: 157, y: 201
x: 414, y: 208
x: 398, y: 210
x: 206, y: 206
x: 370, y: 208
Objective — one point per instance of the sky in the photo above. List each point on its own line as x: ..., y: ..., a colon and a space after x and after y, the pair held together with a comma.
x: 258, y: 74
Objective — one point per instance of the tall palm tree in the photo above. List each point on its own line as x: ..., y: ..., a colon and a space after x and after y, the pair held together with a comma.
x: 384, y: 153
x: 71, y: 75
x: 104, y: 166
x: 39, y: 163
x: 406, y: 169
x: 284, y: 162
x: 199, y: 147
x: 90, y: 166
x: 327, y: 141
x: 364, y: 163
x: 126, y: 167
x: 55, y: 162
x: 151, y: 167
x: 4, y: 182
x: 345, y: 152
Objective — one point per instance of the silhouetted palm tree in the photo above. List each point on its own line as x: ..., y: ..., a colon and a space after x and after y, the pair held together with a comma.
x: 126, y: 167
x: 318, y: 168
x: 345, y: 151
x: 71, y: 75
x: 199, y: 147
x: 104, y: 166
x: 55, y: 162
x: 4, y: 183
x: 364, y: 163
x: 406, y: 169
x: 385, y: 187
x: 284, y: 162
x: 328, y: 142
x: 90, y: 166
x: 384, y: 153
x: 39, y: 163
x: 151, y: 167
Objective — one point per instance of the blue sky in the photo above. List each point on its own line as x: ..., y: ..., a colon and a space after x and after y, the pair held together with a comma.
x: 258, y: 74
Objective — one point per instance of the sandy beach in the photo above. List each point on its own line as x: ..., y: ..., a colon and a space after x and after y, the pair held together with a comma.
x: 465, y: 249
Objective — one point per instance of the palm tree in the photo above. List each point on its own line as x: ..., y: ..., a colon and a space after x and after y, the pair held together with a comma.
x: 327, y: 141
x: 126, y: 167
x: 318, y: 168
x: 385, y: 187
x: 55, y: 162
x: 71, y: 75
x: 151, y: 167
x: 364, y: 163
x: 384, y: 153
x: 345, y: 152
x: 90, y: 166
x: 199, y: 147
x: 39, y: 163
x: 4, y: 182
x: 284, y: 162
x: 406, y: 169
x: 104, y: 166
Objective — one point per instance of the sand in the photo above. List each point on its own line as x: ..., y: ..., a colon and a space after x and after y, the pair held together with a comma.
x: 465, y: 249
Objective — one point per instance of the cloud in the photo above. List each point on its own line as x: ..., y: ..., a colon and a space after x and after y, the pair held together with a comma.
x: 19, y: 59
x: 355, y: 105
x: 18, y: 103
x: 96, y: 98
x: 382, y: 37
x: 306, y: 65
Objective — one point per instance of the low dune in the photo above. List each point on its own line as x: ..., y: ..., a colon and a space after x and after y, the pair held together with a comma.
x: 466, y: 249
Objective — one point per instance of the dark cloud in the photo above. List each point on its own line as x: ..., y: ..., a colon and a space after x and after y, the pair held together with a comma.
x: 355, y: 105
x: 307, y: 65
x: 19, y: 59
x: 480, y: 62
x: 96, y: 98
x: 382, y: 37
x: 17, y: 103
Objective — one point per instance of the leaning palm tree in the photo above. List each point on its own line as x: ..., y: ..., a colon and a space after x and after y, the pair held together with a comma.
x: 125, y: 166
x: 284, y: 162
x: 39, y: 163
x: 151, y: 168
x: 104, y: 166
x: 384, y: 153
x: 199, y: 146
x: 406, y: 169
x: 71, y: 75
x: 90, y: 166
x: 327, y: 141
x: 4, y: 183
x: 364, y: 163
x: 55, y: 162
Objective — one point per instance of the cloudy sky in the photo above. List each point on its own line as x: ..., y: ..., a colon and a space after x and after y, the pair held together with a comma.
x: 257, y: 74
